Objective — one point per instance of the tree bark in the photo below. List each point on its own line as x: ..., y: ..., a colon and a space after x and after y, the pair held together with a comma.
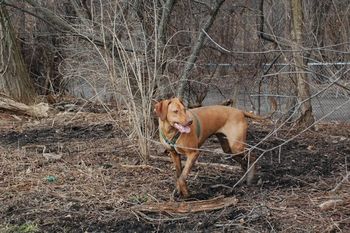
x: 195, y: 52
x: 306, y: 117
x: 14, y: 76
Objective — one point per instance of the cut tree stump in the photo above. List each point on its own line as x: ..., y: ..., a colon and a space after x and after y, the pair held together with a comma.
x: 190, y: 206
x: 39, y: 110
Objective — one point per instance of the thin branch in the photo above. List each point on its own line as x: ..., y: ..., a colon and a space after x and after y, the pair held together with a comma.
x: 32, y: 14
x: 218, y: 166
x: 261, y: 32
x: 203, y: 3
x: 345, y: 178
x: 61, y: 25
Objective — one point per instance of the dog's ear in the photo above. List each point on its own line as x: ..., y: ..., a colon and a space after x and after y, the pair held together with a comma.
x: 181, y: 101
x: 161, y: 109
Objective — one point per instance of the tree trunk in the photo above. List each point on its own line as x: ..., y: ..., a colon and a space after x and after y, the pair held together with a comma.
x: 14, y: 77
x: 306, y: 117
x: 195, y: 52
x: 162, y: 81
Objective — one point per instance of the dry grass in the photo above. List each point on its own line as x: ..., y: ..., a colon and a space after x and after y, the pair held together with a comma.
x: 94, y: 179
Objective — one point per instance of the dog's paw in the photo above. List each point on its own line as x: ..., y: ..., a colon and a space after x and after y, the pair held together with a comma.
x: 176, y: 196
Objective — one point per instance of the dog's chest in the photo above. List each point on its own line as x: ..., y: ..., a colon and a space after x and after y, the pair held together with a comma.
x: 165, y: 144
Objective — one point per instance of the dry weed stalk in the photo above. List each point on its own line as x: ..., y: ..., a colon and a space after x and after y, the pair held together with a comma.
x: 138, y: 78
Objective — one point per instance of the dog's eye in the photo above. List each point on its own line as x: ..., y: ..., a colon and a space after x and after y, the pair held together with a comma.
x: 176, y: 111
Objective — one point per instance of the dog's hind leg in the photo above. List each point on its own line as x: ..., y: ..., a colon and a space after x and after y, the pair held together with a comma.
x: 233, y: 141
x: 245, y: 159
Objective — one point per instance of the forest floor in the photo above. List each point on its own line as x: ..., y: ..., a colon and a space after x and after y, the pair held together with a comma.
x: 78, y: 171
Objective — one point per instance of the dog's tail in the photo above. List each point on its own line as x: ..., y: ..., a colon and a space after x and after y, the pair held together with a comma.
x: 253, y: 116
x: 269, y: 116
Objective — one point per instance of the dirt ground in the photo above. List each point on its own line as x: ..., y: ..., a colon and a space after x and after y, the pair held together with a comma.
x: 80, y: 172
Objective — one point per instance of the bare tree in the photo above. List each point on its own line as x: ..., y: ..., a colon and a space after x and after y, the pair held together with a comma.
x: 306, y: 117
x: 196, y: 49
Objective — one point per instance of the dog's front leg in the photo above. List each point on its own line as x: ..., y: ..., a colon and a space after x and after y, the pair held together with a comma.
x: 181, y: 181
x: 175, y: 157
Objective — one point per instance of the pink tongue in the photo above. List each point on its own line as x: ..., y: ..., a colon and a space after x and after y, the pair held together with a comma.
x: 182, y: 129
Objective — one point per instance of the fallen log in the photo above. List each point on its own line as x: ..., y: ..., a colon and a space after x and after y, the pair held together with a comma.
x: 38, y: 110
x: 190, y: 206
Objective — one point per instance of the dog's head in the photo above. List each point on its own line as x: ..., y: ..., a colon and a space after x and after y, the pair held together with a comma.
x: 174, y: 112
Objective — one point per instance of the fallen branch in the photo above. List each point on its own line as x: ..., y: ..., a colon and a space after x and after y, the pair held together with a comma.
x: 209, y: 165
x: 189, y: 207
x: 39, y: 110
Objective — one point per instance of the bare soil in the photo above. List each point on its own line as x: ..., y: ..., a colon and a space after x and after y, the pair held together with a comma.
x: 80, y: 172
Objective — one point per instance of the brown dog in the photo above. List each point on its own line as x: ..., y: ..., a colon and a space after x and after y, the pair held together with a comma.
x: 184, y: 131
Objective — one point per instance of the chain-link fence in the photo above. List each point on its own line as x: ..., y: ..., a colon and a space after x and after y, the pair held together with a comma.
x: 329, y: 86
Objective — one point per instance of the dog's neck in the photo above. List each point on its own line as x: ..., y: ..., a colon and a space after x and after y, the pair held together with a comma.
x: 168, y: 130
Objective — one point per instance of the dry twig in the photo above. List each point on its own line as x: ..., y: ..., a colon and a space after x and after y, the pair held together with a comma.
x: 346, y: 178
x: 219, y: 166
x: 142, y: 166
